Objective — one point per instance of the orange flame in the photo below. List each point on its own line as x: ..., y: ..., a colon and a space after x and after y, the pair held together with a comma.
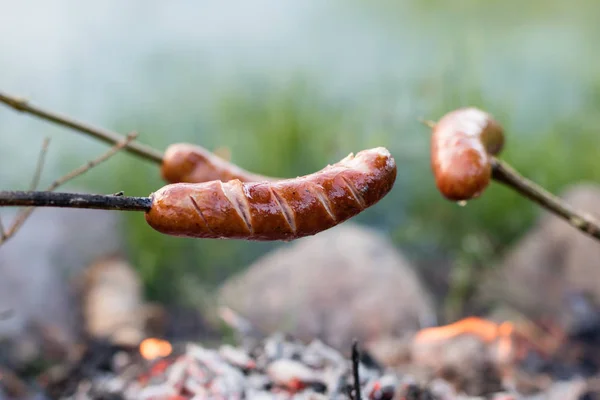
x: 488, y: 331
x: 153, y: 348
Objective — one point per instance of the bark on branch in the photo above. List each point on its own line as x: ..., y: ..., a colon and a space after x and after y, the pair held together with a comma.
x: 73, y: 200
x: 503, y: 173
x: 102, y: 134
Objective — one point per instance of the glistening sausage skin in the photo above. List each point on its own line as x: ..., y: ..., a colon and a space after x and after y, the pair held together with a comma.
x: 188, y: 163
x: 286, y: 209
x: 462, y: 144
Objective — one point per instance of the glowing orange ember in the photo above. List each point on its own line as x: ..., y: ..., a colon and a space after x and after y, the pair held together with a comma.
x: 487, y: 331
x: 153, y: 348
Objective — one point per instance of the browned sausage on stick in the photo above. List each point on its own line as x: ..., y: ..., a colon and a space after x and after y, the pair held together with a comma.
x: 284, y: 209
x: 462, y: 145
x: 188, y: 163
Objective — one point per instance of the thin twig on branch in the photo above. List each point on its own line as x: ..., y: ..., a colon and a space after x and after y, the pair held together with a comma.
x: 105, y: 135
x: 23, y: 215
x: 19, y: 196
x: 91, y: 164
x: 503, y: 173
x: 40, y: 165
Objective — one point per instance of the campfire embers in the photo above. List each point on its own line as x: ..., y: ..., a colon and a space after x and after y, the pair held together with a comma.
x: 277, y: 367
x: 481, y: 357
x: 498, y: 337
x: 467, y: 359
x: 473, y: 354
x: 515, y: 358
x: 153, y: 348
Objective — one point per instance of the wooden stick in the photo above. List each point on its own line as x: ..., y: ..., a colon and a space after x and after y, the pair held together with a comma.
x: 503, y: 173
x: 105, y: 135
x: 73, y: 200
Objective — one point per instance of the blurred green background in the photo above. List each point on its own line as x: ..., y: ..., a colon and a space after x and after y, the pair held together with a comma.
x: 290, y: 87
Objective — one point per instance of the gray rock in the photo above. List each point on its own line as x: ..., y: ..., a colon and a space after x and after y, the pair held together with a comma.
x: 551, y: 264
x: 36, y: 266
x: 343, y: 283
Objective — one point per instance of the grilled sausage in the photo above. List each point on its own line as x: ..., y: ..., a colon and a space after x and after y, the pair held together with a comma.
x: 462, y: 144
x: 285, y: 209
x: 188, y: 163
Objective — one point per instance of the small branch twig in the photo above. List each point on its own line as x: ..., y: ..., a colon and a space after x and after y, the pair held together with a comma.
x: 40, y: 165
x: 91, y: 164
x: 105, y: 135
x: 19, y: 198
x: 22, y: 216
x: 503, y: 173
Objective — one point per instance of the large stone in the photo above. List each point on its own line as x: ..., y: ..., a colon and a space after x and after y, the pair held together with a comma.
x: 36, y: 268
x: 551, y: 264
x: 344, y: 283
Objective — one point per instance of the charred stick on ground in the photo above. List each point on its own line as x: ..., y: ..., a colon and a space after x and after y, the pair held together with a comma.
x: 355, y: 372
